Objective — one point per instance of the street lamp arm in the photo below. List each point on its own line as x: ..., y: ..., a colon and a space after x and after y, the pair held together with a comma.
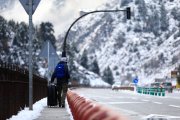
x: 97, y: 11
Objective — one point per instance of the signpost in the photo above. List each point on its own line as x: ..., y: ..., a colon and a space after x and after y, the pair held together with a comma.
x: 30, y: 7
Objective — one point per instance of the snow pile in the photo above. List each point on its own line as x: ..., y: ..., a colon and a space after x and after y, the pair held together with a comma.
x: 27, y: 114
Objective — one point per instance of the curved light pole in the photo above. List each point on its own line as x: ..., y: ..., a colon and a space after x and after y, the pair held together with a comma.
x: 127, y: 10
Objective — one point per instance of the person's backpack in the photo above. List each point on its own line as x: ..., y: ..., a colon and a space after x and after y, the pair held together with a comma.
x: 60, y: 71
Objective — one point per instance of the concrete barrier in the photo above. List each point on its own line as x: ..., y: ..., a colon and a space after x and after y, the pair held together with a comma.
x: 151, y: 91
x: 83, y: 109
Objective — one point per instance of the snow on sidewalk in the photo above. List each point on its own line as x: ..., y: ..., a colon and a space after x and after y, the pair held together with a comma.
x: 37, y: 111
x: 27, y: 114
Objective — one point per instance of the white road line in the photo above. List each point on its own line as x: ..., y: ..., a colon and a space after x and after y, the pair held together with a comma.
x: 123, y: 102
x: 134, y: 98
x: 175, y: 106
x: 172, y: 97
x: 157, y: 103
x: 157, y: 116
x: 145, y: 100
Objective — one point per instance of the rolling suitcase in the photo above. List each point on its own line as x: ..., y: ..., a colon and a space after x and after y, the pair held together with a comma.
x: 52, y: 96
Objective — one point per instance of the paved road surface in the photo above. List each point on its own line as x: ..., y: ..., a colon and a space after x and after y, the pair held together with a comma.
x: 136, y: 106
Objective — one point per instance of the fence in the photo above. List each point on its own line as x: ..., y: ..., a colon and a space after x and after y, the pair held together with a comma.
x: 14, y: 89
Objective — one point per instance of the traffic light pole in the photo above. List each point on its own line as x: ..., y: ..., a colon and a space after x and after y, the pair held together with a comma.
x: 128, y: 12
x: 30, y: 58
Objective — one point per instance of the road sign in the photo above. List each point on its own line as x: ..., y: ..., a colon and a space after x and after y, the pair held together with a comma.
x: 135, y: 81
x: 48, y: 51
x: 25, y: 4
x: 30, y: 6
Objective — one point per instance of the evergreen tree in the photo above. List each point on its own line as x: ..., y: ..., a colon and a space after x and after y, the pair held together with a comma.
x: 137, y: 27
x: 95, y: 67
x: 175, y: 12
x: 72, y: 51
x: 156, y: 23
x: 21, y: 38
x: 120, y: 40
x: 4, y: 35
x: 163, y: 18
x: 178, y: 33
x: 46, y: 32
x: 12, y: 25
x: 84, y: 59
x: 108, y: 76
x: 153, y: 22
x: 142, y: 9
x: 125, y: 2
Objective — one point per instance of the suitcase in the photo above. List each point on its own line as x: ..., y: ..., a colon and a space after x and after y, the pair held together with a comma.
x: 52, y: 96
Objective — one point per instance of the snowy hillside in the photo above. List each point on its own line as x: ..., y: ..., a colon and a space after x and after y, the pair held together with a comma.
x: 145, y: 46
x: 114, y: 48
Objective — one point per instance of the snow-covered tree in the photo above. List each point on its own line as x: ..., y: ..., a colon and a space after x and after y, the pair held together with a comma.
x: 119, y: 40
x: 154, y: 20
x: 46, y: 32
x: 163, y: 18
x: 94, y: 67
x: 142, y: 9
x: 176, y: 13
x: 125, y: 2
x: 4, y: 35
x: 108, y: 76
x: 84, y: 60
x: 21, y: 38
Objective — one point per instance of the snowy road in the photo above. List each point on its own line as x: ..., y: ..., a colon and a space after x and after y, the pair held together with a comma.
x: 136, y: 106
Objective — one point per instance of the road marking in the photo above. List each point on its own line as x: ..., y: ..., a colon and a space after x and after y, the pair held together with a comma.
x: 157, y: 103
x: 174, y: 106
x: 163, y: 117
x: 134, y: 98
x: 145, y: 100
x: 172, y: 97
x: 112, y: 103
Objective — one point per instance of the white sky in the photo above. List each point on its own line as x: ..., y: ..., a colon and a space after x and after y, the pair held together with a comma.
x: 61, y: 17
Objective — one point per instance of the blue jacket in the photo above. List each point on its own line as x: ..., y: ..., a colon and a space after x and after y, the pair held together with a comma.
x: 62, y: 80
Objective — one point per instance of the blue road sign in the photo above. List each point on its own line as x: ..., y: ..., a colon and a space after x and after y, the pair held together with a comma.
x: 135, y: 81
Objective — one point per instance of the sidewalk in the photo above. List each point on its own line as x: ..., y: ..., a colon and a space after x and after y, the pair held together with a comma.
x: 54, y: 113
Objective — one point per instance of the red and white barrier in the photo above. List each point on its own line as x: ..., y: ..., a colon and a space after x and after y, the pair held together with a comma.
x: 83, y: 109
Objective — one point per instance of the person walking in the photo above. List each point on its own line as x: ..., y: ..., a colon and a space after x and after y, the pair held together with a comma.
x: 61, y: 73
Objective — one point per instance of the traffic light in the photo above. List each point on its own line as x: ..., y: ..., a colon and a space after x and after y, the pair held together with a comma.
x: 128, y: 11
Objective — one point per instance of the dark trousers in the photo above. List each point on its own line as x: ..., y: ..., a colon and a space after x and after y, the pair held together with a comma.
x: 62, y: 90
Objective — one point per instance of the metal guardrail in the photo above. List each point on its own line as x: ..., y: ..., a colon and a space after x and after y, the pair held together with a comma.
x: 14, y: 87
x: 151, y: 91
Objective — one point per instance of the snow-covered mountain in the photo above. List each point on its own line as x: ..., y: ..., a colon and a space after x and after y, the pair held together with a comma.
x: 146, y: 46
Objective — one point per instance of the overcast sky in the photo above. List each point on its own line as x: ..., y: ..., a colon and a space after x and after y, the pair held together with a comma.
x: 61, y: 16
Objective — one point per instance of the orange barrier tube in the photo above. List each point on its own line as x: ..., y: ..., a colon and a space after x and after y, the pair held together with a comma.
x: 83, y: 109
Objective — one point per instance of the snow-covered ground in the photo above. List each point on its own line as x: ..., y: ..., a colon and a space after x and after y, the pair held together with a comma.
x: 27, y: 114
